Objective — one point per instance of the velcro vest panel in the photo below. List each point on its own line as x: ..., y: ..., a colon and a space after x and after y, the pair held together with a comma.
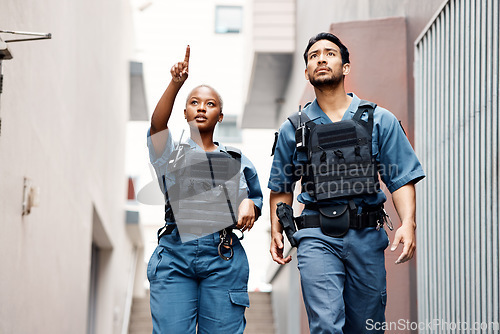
x: 206, y: 189
x: 340, y: 162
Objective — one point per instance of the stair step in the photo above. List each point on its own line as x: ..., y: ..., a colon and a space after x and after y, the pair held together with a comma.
x: 259, y: 316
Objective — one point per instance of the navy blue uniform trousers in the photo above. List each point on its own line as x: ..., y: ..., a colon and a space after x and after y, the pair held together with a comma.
x: 192, y: 286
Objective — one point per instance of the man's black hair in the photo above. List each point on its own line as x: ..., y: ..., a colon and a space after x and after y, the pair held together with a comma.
x: 332, y: 38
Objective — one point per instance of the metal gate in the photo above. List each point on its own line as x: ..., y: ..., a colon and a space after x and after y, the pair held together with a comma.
x: 457, y: 140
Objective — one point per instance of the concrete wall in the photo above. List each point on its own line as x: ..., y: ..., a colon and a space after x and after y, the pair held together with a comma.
x: 273, y: 26
x: 64, y: 108
x: 287, y: 299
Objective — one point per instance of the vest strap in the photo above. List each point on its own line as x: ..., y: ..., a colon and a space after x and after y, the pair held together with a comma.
x: 294, y: 119
x: 234, y: 152
x: 365, y: 106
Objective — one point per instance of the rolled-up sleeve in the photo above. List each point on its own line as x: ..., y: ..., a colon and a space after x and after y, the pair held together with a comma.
x: 160, y: 162
x: 398, y: 163
x: 283, y: 171
x: 252, y: 182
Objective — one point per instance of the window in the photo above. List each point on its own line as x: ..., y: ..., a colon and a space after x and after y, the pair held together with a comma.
x: 228, y: 19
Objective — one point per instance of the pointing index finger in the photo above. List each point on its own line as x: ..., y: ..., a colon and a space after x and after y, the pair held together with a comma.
x: 188, y: 51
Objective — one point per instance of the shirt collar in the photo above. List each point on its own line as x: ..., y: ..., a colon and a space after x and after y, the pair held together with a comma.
x: 353, y: 107
x: 314, y: 111
x: 194, y: 146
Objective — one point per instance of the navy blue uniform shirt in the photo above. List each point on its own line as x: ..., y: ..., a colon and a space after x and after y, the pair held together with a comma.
x: 249, y: 181
x: 398, y: 164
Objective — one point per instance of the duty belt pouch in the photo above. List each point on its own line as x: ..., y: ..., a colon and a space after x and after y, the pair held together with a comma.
x: 334, y: 220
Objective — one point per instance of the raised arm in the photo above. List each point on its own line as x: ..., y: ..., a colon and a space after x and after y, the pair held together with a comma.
x: 163, y: 109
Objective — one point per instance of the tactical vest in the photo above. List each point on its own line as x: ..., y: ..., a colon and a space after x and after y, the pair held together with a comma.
x: 205, y: 196
x: 340, y: 162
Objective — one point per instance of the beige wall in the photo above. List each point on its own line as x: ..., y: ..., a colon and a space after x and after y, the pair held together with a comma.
x: 316, y: 16
x: 64, y: 108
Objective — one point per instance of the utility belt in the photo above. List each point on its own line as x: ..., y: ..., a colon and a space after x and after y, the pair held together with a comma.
x: 369, y: 217
x: 225, y: 244
x: 334, y: 220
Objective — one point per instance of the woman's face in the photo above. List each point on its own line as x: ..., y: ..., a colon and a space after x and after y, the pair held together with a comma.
x: 203, y: 109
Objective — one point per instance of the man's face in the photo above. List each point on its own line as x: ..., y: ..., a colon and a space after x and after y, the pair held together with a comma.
x: 203, y: 109
x: 324, y: 64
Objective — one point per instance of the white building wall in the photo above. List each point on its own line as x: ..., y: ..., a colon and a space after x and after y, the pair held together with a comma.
x: 64, y: 109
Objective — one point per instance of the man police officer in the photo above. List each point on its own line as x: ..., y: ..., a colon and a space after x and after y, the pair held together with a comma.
x: 337, y: 146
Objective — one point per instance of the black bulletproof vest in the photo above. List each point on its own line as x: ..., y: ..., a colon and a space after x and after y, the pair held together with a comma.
x: 340, y: 162
x: 205, y: 193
